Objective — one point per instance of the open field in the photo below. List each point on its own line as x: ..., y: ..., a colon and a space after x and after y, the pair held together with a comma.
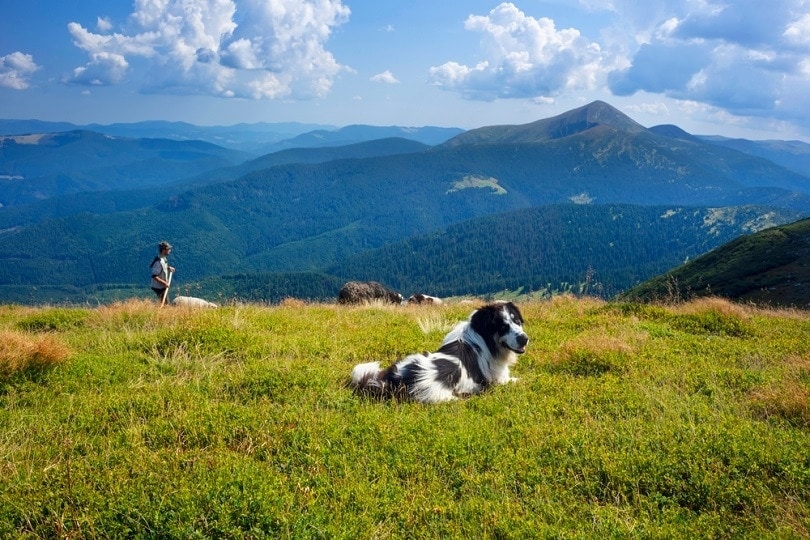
x: 629, y: 420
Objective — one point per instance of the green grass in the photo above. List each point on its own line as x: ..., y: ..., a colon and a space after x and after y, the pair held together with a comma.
x: 628, y: 421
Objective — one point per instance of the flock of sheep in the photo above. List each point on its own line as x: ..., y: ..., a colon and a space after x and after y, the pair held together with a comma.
x: 358, y: 292
x: 353, y: 292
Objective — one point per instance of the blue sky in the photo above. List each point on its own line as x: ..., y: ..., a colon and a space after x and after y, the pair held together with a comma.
x: 726, y: 67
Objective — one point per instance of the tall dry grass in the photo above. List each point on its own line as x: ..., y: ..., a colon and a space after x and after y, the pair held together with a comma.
x: 21, y: 351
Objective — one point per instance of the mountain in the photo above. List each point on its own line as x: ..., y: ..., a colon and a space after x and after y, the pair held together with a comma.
x: 674, y: 132
x: 309, y: 216
x: 258, y: 139
x: 111, y: 201
x: 617, y: 246
x: 45, y: 165
x: 321, y: 154
x: 359, y: 133
x: 251, y: 138
x: 594, y: 115
x: 770, y: 267
x: 793, y: 155
x: 556, y: 248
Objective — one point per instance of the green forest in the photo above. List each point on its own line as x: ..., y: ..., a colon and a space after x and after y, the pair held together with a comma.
x: 598, y: 250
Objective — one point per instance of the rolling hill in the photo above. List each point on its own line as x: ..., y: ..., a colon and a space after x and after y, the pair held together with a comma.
x: 353, y: 134
x: 595, y: 249
x: 250, y: 138
x: 121, y: 200
x: 770, y: 267
x: 257, y: 139
x: 299, y: 217
x: 41, y: 166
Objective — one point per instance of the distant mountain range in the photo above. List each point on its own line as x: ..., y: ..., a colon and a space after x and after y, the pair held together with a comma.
x: 256, y: 139
x: 770, y: 267
x: 41, y: 166
x: 64, y: 199
x: 251, y: 138
x: 323, y: 209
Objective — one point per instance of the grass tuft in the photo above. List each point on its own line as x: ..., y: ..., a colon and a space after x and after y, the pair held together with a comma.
x: 626, y: 421
x: 788, y: 397
x: 21, y: 352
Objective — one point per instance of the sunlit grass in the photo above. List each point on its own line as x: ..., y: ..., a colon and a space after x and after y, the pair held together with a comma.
x: 21, y: 352
x: 628, y: 420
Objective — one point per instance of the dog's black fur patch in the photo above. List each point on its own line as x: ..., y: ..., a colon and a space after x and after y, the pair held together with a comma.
x: 476, y: 354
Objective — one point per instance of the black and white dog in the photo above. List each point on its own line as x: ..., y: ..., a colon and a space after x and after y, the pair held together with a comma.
x: 476, y: 354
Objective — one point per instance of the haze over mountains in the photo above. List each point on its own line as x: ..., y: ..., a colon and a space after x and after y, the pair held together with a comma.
x: 324, y: 209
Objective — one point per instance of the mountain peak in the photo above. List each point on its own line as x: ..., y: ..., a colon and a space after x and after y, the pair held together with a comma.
x: 579, y: 120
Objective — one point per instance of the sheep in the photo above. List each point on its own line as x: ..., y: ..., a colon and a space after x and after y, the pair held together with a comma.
x: 358, y: 292
x: 420, y: 298
x: 190, y: 301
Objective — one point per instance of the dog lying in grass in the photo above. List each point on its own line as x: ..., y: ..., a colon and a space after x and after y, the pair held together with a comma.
x: 476, y: 354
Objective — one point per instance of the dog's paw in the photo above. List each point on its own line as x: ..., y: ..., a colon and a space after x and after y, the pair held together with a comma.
x: 513, y: 379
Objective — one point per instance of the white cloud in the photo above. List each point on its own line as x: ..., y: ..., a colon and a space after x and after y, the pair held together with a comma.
x: 16, y: 70
x: 738, y: 57
x: 524, y: 58
x: 798, y: 31
x: 102, y: 70
x: 385, y: 77
x: 103, y: 24
x: 232, y: 48
x: 650, y: 109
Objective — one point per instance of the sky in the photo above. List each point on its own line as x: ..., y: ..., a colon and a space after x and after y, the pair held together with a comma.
x: 737, y: 68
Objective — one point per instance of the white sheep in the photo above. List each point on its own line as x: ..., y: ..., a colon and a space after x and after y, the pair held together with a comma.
x: 190, y: 301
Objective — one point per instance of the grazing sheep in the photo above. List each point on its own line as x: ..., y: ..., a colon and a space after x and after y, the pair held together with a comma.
x: 190, y: 301
x: 420, y: 298
x: 358, y: 292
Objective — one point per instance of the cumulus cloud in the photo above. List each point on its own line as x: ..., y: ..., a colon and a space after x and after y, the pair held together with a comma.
x: 385, y: 77
x: 102, y: 70
x: 740, y: 57
x: 103, y: 24
x: 524, y: 58
x: 16, y: 70
x: 230, y: 48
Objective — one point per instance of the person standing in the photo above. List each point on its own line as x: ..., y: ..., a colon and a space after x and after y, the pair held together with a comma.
x: 161, y: 270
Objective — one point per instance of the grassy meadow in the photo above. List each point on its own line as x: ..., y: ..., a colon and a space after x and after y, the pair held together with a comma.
x: 629, y: 421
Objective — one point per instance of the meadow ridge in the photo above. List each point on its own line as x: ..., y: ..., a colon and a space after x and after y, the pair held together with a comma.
x: 689, y: 420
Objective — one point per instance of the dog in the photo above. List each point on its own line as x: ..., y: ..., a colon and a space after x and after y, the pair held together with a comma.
x: 475, y: 355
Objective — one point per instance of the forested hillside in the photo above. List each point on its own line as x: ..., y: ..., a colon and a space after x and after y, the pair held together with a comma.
x: 771, y: 267
x: 311, y: 215
x: 41, y: 166
x: 593, y: 249
x: 125, y: 198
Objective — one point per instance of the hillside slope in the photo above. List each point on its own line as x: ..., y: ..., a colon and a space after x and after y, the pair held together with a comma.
x: 770, y: 267
x: 595, y: 249
x: 120, y: 200
x: 41, y: 166
x: 305, y: 217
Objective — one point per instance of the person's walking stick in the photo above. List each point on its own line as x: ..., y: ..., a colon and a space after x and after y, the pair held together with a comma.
x: 166, y: 290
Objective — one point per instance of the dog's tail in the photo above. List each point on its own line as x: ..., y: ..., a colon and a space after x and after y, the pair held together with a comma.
x: 368, y: 378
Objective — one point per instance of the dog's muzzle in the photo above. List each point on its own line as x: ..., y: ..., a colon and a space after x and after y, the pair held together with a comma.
x: 522, y: 341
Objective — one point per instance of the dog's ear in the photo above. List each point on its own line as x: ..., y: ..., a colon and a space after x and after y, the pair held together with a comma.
x: 483, y: 318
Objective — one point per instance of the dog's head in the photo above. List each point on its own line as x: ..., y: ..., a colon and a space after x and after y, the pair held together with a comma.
x: 501, y: 326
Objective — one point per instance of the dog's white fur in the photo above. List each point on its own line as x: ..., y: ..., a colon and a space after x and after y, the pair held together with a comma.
x: 476, y: 354
x: 190, y: 301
